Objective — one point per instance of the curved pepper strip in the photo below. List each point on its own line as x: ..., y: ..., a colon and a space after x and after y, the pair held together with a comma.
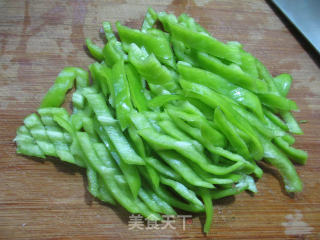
x: 207, y: 200
x: 204, y: 42
x: 179, y: 164
x: 207, y: 95
x: 95, y: 51
x: 169, y: 198
x: 112, y: 51
x: 163, y: 142
x: 279, y: 160
x: 230, y: 132
x: 233, y: 75
x: 275, y: 119
x: 64, y: 82
x: 297, y: 155
x: 182, y: 190
x: 222, y: 86
x: 216, y: 137
x: 158, y: 45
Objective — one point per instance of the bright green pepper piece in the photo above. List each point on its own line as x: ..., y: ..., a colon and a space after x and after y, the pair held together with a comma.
x: 149, y: 20
x: 148, y: 66
x: 64, y: 82
x: 136, y: 89
x: 26, y: 144
x: 233, y: 75
x: 283, y: 83
x: 205, y: 43
x: 121, y: 94
x: 95, y: 51
x: 119, y: 141
x: 222, y: 86
x: 179, y: 164
x: 157, y: 45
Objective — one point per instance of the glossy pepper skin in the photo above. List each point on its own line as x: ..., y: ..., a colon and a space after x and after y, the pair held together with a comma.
x: 64, y: 82
x: 158, y: 45
x: 222, y: 86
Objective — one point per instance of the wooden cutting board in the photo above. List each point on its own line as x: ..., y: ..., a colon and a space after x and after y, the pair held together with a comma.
x: 48, y: 199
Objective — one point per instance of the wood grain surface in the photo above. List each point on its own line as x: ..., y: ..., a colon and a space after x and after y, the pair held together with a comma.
x: 49, y: 200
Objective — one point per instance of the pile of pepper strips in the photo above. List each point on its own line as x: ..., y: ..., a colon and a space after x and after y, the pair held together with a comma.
x: 173, y: 118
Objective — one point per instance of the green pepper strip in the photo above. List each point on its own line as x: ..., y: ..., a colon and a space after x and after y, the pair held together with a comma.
x: 38, y: 132
x: 56, y: 134
x: 222, y: 86
x: 291, y: 123
x: 121, y: 91
x: 248, y: 64
x: 165, y: 207
x: 112, y: 51
x: 158, y: 44
x: 148, y: 66
x: 233, y: 75
x: 179, y: 164
x: 207, y: 95
x: 150, y: 174
x: 182, y: 190
x: 207, y: 200
x: 121, y: 196
x: 149, y: 20
x: 149, y: 201
x: 162, y: 168
x: 26, y: 144
x: 102, y: 75
x: 161, y: 100
x: 279, y: 160
x: 217, y: 180
x: 169, y: 198
x: 283, y: 83
x: 94, y: 50
x: 64, y: 82
x: 275, y: 119
x: 299, y: 156
x: 205, y: 43
x: 190, y: 23
x: 163, y: 142
x: 230, y: 132
x: 136, y: 90
x: 126, y: 152
x: 172, y: 130
x: 143, y: 209
x: 130, y: 171
x: 221, y: 193
x: 216, y: 137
